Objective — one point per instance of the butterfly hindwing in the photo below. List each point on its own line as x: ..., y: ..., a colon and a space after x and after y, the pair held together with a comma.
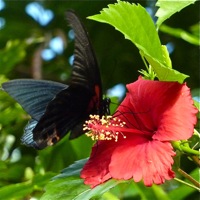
x: 33, y: 95
x: 27, y: 137
x: 63, y: 113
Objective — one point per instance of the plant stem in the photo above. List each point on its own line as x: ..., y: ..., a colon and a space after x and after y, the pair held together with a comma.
x: 184, y: 148
x: 192, y: 186
x: 195, y: 159
x: 187, y: 176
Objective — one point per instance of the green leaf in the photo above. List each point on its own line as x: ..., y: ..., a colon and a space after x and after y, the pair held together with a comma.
x: 197, y: 105
x: 168, y: 7
x: 21, y: 190
x: 164, y: 73
x: 196, y: 99
x: 160, y: 193
x: 40, y: 180
x: 12, y: 54
x: 166, y: 56
x: 16, y: 191
x: 65, y: 145
x: 129, y: 189
x: 69, y: 185
x: 136, y: 24
x: 109, y: 196
x: 72, y: 170
x: 155, y: 192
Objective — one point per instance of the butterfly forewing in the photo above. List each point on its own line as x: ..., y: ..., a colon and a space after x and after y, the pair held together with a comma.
x: 72, y: 106
x: 85, y: 67
x: 56, y: 108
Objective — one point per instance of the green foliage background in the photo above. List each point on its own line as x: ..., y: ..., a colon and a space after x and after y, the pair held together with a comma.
x: 25, y: 171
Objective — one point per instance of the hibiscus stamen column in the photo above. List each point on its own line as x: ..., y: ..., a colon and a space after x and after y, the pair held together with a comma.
x: 105, y: 128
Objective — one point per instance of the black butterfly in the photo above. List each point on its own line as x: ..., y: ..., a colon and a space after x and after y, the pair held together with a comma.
x: 57, y: 108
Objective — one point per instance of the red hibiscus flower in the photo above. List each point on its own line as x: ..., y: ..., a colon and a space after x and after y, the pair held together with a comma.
x: 135, y: 142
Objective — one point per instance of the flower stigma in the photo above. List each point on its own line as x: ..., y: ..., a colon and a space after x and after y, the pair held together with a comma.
x: 104, y: 128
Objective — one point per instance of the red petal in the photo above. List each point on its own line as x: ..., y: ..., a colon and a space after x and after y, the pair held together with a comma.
x: 96, y: 170
x: 177, y: 122
x: 139, y: 158
x: 164, y: 109
x: 134, y: 157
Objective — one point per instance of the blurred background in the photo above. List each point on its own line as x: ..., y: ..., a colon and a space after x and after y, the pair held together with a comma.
x: 36, y: 42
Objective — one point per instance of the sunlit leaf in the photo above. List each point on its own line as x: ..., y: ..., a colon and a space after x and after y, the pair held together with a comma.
x: 164, y: 73
x: 168, y: 7
x: 69, y: 185
x: 136, y: 24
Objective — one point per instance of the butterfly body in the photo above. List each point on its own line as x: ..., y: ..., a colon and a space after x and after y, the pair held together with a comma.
x: 57, y: 108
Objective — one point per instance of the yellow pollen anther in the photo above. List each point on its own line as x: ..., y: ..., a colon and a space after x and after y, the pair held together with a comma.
x: 104, y: 128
